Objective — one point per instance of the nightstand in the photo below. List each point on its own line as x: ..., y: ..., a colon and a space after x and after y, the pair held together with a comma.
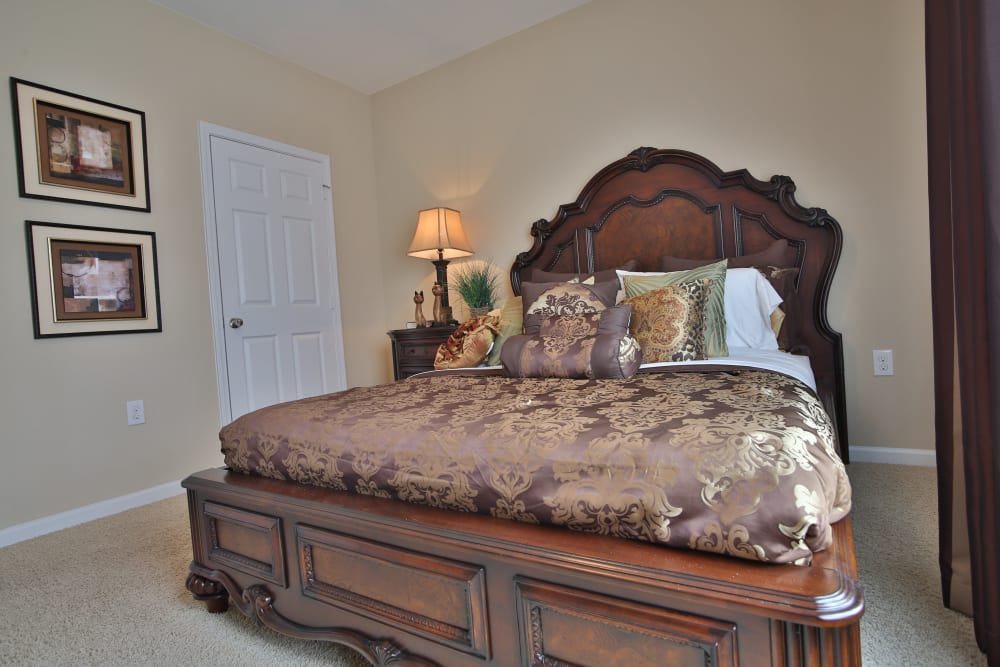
x: 413, y: 350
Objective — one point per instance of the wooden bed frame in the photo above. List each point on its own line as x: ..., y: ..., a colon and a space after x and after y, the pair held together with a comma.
x: 411, y: 585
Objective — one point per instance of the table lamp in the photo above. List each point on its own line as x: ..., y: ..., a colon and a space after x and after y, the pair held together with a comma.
x: 439, y: 237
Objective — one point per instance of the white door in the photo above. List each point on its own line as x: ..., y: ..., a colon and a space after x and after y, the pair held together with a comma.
x: 276, y: 302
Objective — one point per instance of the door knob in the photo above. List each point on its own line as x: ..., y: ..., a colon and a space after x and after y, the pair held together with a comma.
x: 235, y: 322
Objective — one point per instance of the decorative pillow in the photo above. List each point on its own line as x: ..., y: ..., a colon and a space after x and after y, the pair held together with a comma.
x: 539, y: 276
x: 778, y: 321
x: 669, y: 322
x: 610, y: 320
x: 567, y: 298
x: 785, y: 282
x: 776, y: 262
x: 779, y: 253
x: 512, y: 321
x: 575, y: 346
x: 750, y: 300
x: 715, y: 301
x: 511, y: 324
x: 468, y: 345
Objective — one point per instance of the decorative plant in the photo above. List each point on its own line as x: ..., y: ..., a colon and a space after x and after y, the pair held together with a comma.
x: 477, y: 284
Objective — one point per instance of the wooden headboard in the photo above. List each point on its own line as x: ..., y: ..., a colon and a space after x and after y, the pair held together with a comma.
x: 657, y: 202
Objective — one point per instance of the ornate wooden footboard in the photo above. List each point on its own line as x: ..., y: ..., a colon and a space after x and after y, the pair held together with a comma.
x: 411, y: 585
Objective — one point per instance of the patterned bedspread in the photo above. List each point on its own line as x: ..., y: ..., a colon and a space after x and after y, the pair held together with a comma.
x: 738, y: 462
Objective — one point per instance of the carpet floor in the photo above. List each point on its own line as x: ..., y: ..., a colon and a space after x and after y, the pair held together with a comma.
x: 112, y: 592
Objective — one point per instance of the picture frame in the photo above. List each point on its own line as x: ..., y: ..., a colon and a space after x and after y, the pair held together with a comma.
x: 89, y: 281
x: 78, y: 149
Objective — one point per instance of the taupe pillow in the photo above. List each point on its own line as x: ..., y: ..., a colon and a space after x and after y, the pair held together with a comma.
x: 539, y: 276
x: 567, y: 298
x: 784, y: 281
x: 610, y: 320
x: 588, y: 345
x: 512, y: 314
x: 601, y: 356
x: 779, y: 253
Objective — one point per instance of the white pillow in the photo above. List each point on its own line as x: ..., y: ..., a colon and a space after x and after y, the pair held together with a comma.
x: 621, y: 281
x: 750, y: 300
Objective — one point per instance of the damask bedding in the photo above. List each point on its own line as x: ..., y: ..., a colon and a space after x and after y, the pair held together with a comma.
x: 726, y: 458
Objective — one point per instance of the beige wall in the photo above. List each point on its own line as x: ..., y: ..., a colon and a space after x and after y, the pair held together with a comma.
x: 64, y: 441
x: 830, y: 93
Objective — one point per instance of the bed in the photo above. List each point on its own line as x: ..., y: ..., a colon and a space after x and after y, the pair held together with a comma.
x: 320, y: 552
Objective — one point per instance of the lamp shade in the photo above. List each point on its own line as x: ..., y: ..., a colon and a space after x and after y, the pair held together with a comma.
x: 439, y: 235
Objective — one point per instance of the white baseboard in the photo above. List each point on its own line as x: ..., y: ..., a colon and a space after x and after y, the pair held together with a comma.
x: 50, y: 524
x: 905, y: 457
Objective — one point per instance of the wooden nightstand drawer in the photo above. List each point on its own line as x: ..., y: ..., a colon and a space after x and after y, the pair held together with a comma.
x: 408, y: 352
x: 413, y: 350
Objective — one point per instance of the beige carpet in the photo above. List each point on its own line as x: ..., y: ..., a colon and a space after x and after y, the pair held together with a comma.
x: 895, y: 535
x: 128, y: 604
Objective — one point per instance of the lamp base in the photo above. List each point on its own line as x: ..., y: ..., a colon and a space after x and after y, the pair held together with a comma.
x: 446, y: 318
x: 441, y: 290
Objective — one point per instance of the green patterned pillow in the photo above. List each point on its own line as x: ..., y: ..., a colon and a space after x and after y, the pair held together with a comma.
x: 511, y: 324
x: 715, y: 313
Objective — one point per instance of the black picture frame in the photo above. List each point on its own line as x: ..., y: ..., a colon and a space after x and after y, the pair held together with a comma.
x: 88, y: 281
x: 79, y: 149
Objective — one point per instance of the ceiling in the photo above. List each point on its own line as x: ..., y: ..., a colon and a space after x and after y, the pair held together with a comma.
x: 369, y: 45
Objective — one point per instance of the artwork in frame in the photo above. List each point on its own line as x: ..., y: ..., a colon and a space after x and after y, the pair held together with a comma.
x: 92, y: 280
x: 78, y: 149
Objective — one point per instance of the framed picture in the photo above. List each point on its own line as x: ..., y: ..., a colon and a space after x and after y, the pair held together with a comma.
x: 91, y: 280
x: 74, y: 148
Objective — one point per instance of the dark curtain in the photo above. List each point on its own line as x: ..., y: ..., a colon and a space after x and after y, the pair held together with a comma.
x: 963, y: 82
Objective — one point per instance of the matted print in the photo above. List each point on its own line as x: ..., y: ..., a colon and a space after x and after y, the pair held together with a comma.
x: 79, y: 149
x: 92, y: 280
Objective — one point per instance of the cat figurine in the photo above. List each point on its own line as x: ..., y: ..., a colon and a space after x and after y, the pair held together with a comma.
x: 418, y: 311
x: 438, y: 314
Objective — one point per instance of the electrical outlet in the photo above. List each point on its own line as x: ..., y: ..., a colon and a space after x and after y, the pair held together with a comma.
x: 882, y: 362
x: 135, y: 412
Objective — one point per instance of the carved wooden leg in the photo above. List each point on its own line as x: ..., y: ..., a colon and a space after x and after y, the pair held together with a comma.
x: 212, y: 593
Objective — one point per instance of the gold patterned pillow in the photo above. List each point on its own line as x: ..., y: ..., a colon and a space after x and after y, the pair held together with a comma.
x: 669, y: 322
x: 468, y: 345
x: 551, y: 299
x: 715, y: 301
x: 603, y: 356
x: 589, y: 345
x: 610, y: 320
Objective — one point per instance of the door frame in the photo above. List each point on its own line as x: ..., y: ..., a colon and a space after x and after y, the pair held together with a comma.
x: 206, y: 131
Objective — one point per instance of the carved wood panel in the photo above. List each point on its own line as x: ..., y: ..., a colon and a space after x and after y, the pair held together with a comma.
x: 434, y: 597
x: 567, y: 627
x: 246, y: 541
